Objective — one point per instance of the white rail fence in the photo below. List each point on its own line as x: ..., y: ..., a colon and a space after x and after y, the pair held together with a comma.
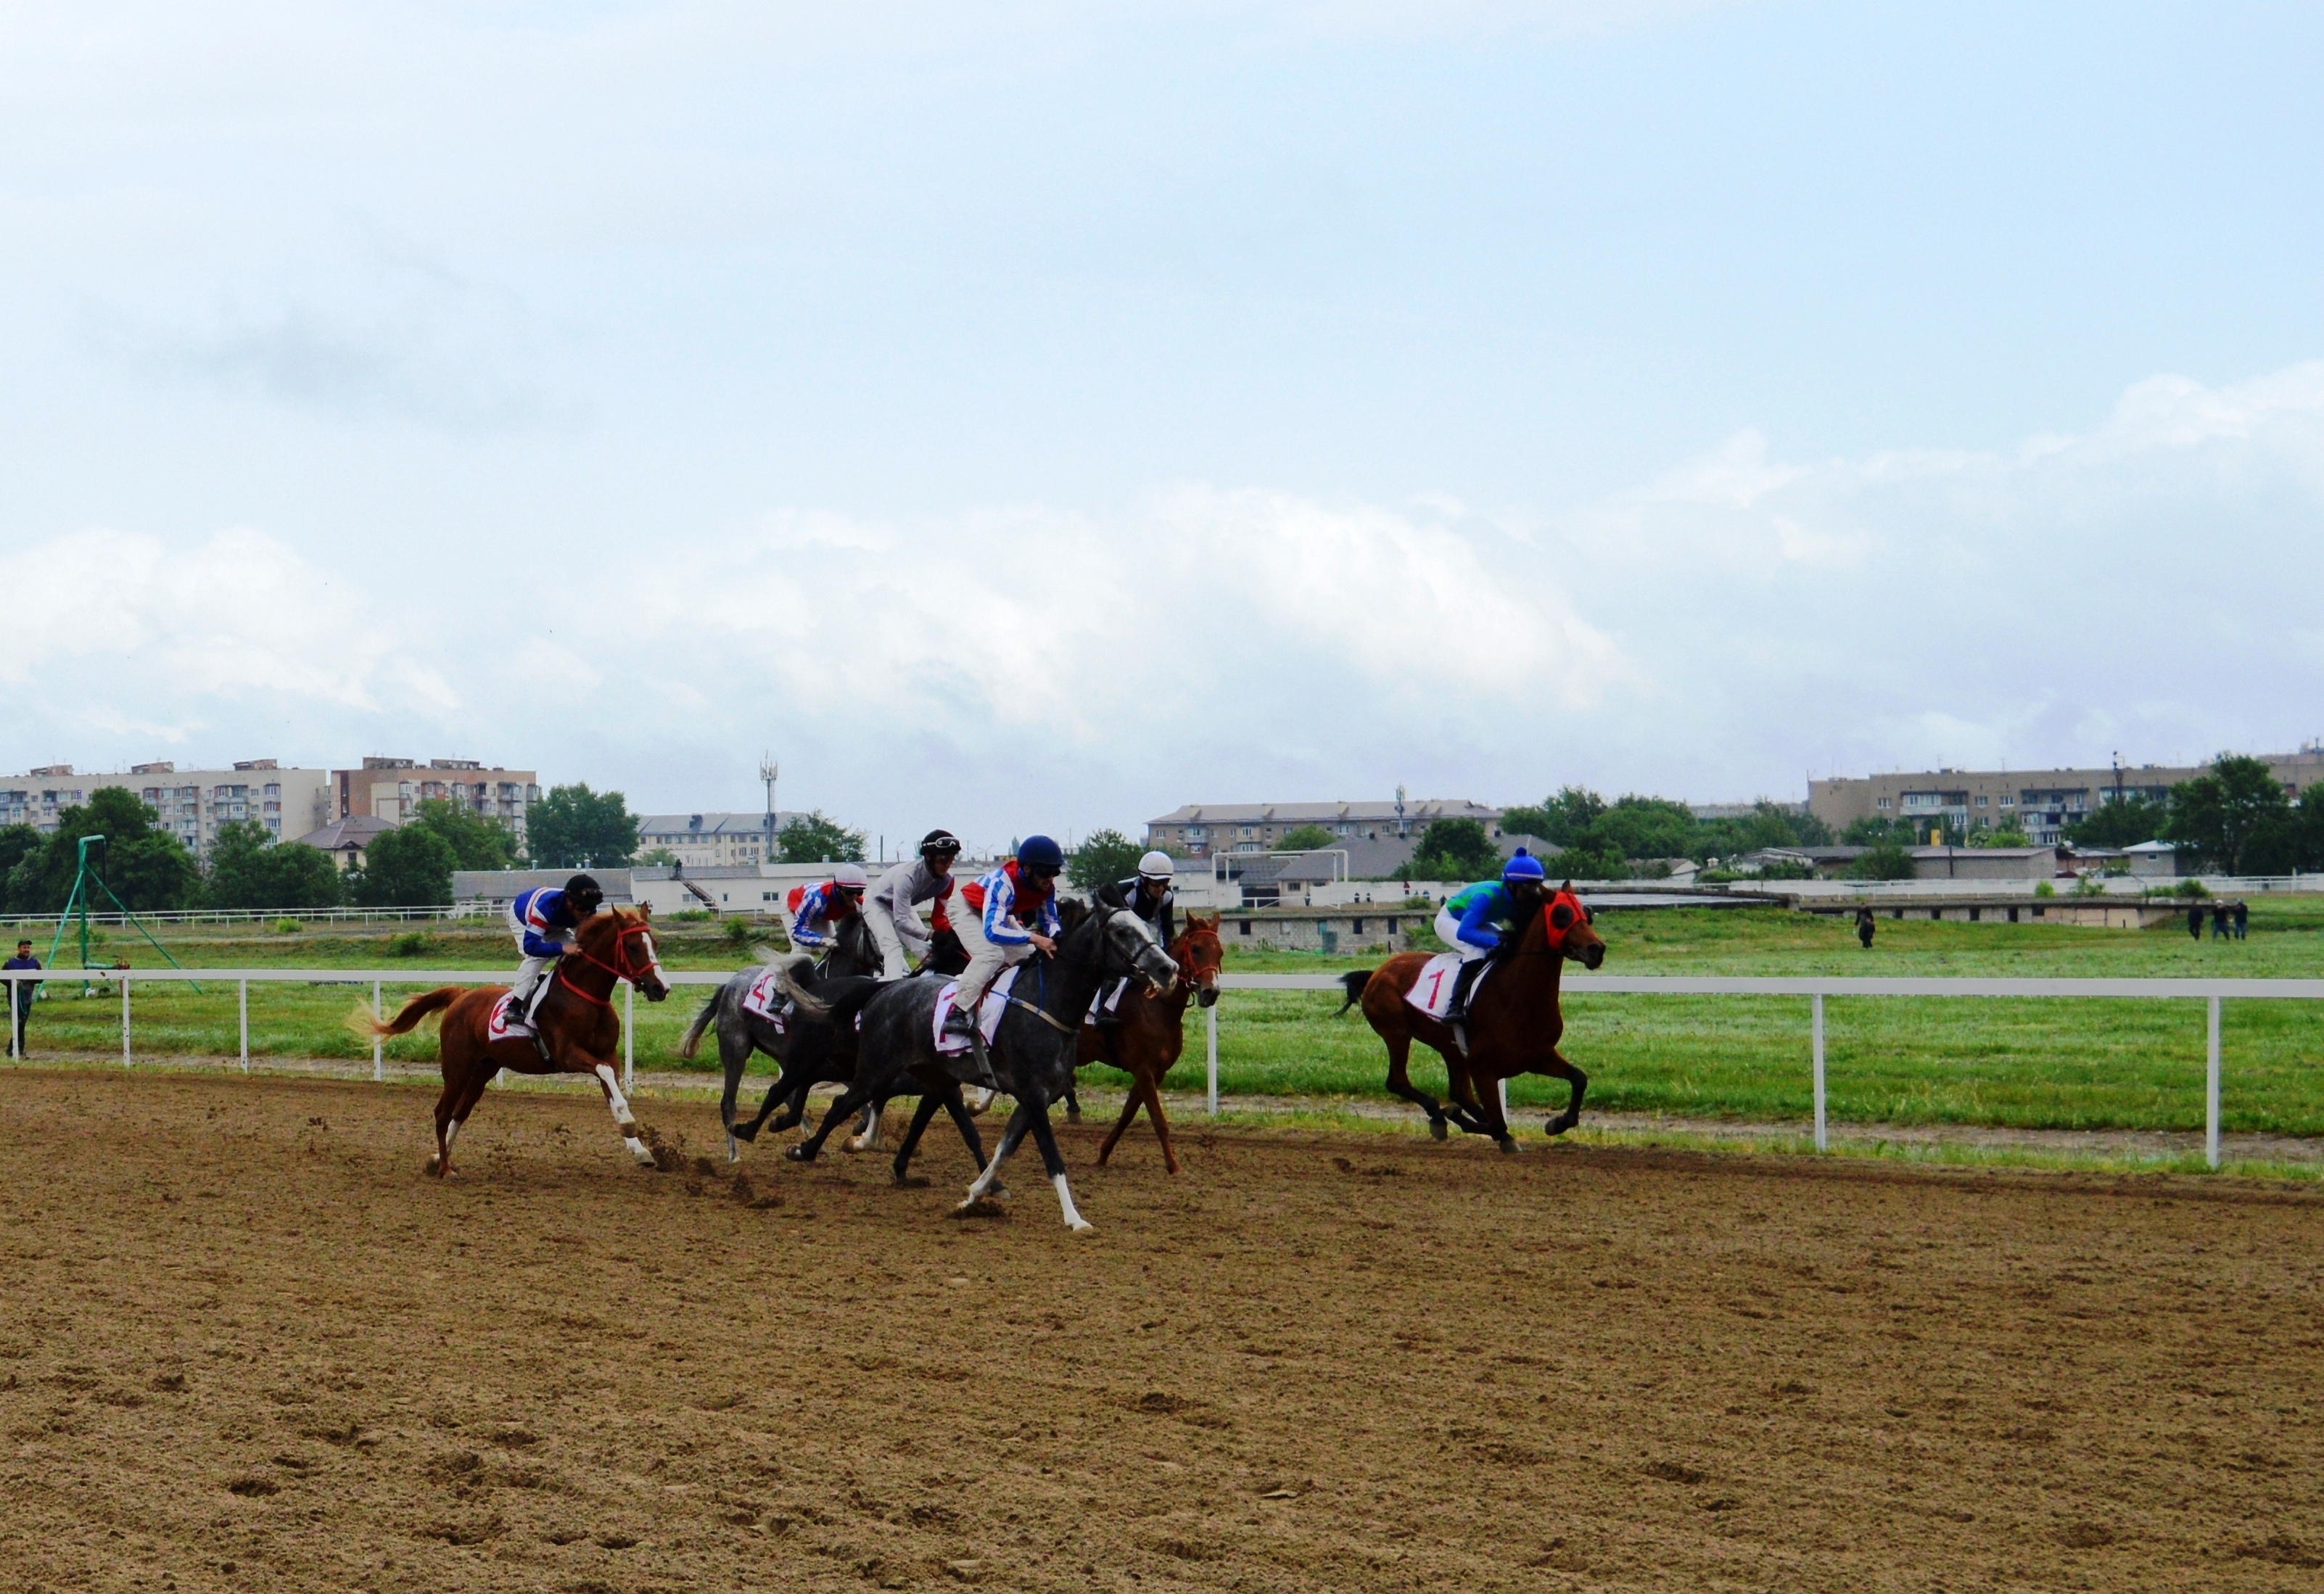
x: 2210, y: 992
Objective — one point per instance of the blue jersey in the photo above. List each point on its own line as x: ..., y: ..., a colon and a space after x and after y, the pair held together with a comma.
x: 542, y: 918
x: 815, y: 912
x: 1484, y: 911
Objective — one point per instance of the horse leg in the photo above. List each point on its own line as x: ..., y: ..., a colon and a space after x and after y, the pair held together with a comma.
x: 622, y: 1117
x: 1129, y: 1107
x: 867, y: 1128
x: 449, y: 1113
x: 841, y: 1110
x: 1073, y: 1106
x: 733, y: 1059
x: 1046, y: 1138
x: 1399, y: 1082
x: 1019, y: 1121
x: 1152, y: 1090
x: 1489, y: 1113
x: 1559, y: 1068
x: 965, y: 1122
x: 921, y: 1114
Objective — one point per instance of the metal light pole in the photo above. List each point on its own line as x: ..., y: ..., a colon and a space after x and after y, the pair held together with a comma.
x: 768, y: 771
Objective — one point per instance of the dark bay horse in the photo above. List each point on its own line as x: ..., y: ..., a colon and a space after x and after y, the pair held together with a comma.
x: 1153, y: 1032
x: 577, y: 1018
x: 1032, y: 1051
x: 1515, y: 1023
x: 807, y: 1050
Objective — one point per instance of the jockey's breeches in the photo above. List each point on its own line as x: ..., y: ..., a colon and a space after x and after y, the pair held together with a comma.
x: 986, y: 959
x: 529, y: 974
x: 1448, y: 931
x: 895, y: 959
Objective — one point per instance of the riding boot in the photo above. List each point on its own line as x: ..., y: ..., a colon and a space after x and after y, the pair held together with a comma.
x: 1458, y: 1013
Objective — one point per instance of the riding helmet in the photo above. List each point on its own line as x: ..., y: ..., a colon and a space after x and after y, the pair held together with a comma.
x: 849, y: 876
x: 940, y: 841
x: 1522, y: 866
x: 584, y: 893
x: 1039, y: 851
x: 1156, y: 866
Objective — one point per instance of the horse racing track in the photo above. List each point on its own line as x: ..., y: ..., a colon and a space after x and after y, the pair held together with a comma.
x: 245, y: 1344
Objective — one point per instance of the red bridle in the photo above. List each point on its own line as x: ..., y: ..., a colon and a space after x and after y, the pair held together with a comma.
x: 1189, y: 970
x: 1557, y: 935
x: 619, y: 968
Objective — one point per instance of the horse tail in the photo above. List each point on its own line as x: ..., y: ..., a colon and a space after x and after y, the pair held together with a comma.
x: 1355, y: 980
x: 407, y: 1016
x: 786, y: 979
x: 701, y: 1025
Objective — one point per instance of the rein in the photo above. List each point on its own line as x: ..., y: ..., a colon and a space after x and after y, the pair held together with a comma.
x: 619, y: 969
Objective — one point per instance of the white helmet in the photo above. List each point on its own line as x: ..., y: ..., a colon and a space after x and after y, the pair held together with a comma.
x: 849, y: 874
x: 1156, y: 866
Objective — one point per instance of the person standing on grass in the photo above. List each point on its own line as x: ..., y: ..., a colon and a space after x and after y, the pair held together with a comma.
x: 2195, y: 921
x: 2242, y: 917
x: 1864, y: 927
x: 2219, y: 920
x: 20, y: 997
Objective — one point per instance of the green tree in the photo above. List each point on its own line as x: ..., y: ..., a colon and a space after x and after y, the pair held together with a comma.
x: 2008, y: 836
x: 1103, y: 855
x: 1563, y: 819
x: 408, y: 867
x: 573, y: 828
x: 1884, y: 860
x: 2124, y: 824
x: 478, y: 842
x: 1455, y: 850
x: 147, y: 868
x: 248, y: 868
x: 817, y: 838
x: 2229, y: 811
x: 1871, y: 830
x: 1644, y: 827
x: 1305, y: 838
x: 1767, y: 824
x: 17, y: 842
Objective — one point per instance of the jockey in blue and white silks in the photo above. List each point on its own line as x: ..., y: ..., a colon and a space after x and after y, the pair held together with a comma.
x: 815, y: 910
x: 1475, y: 919
x: 542, y: 917
x: 1003, y: 918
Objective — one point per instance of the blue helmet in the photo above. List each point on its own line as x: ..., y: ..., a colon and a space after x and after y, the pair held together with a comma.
x: 1522, y: 866
x: 1039, y: 851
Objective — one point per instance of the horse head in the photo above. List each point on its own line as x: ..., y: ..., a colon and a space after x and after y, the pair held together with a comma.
x: 1566, y: 927
x: 621, y: 939
x: 1130, y: 949
x: 1200, y: 955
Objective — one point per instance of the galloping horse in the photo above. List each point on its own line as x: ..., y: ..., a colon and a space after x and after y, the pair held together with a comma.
x: 577, y: 1020
x: 1153, y: 1032
x: 1032, y: 1050
x: 1514, y: 1023
x: 808, y: 1051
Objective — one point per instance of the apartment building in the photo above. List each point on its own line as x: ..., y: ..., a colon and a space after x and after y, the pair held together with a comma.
x: 1198, y: 829
x: 712, y: 840
x: 391, y: 789
x: 191, y: 804
x: 2042, y: 803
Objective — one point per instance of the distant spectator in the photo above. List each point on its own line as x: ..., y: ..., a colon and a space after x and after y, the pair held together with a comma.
x: 2243, y: 917
x: 2219, y: 921
x: 20, y: 997
x: 1864, y: 927
x: 2195, y: 921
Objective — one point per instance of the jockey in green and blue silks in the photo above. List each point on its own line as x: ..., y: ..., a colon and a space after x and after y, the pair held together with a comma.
x: 1475, y: 919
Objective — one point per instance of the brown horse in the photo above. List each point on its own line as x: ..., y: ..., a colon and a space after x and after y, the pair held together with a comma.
x: 1153, y: 1032
x: 577, y: 1018
x: 1514, y: 1023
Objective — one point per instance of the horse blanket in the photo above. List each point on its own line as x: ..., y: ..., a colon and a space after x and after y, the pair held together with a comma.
x: 987, y: 1020
x: 1431, y: 993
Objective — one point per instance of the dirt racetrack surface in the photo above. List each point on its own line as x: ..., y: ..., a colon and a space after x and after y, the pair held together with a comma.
x: 245, y: 1344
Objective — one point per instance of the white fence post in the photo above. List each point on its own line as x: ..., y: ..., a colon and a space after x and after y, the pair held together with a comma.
x: 630, y: 1039
x: 378, y: 1045
x: 125, y: 1017
x: 1823, y: 1141
x: 2212, y: 1089
x: 1210, y: 1029
x: 241, y: 1006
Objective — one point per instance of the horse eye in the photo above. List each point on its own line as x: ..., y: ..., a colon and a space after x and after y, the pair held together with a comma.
x: 1560, y: 916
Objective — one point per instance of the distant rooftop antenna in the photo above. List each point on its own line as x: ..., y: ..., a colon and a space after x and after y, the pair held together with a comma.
x: 768, y: 771
x: 1399, y: 810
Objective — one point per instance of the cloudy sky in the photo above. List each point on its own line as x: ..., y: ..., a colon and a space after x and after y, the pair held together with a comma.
x: 1039, y: 415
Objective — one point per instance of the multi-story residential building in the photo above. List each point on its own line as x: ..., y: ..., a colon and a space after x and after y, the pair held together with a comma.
x: 191, y: 804
x: 1198, y: 829
x: 712, y: 840
x: 391, y: 789
x: 2042, y: 803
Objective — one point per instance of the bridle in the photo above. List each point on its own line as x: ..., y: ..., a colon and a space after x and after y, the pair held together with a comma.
x: 1105, y: 918
x: 620, y: 968
x: 1552, y: 934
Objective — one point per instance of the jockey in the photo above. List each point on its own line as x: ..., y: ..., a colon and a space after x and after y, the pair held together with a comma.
x: 1146, y: 894
x: 1010, y: 913
x: 1474, y: 920
x: 896, y: 927
x: 541, y: 917
x: 816, y: 910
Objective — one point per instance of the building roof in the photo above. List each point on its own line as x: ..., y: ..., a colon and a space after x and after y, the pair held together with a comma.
x: 502, y: 884
x: 357, y: 831
x: 1387, y: 859
x: 2151, y: 848
x: 708, y: 825
x: 1416, y: 812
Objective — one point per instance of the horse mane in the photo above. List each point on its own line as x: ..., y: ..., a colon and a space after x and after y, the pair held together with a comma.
x: 1071, y: 912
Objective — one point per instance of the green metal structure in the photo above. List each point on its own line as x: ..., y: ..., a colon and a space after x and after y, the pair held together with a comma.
x: 76, y: 905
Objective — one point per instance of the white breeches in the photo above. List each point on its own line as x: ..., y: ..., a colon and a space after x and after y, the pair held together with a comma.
x: 986, y: 959
x: 895, y: 958
x: 1448, y: 931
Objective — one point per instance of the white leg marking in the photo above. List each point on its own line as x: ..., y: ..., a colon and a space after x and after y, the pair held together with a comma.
x: 451, y: 1133
x: 869, y: 1140
x: 1074, y: 1220
x: 985, y: 1180
x: 621, y: 1119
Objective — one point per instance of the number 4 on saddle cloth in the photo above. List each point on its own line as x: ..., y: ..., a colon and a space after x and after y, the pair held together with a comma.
x: 766, y: 999
x: 1431, y: 993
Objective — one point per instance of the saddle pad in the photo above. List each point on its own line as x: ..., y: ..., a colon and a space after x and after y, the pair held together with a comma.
x: 996, y: 1002
x: 503, y: 1026
x: 765, y: 998
x: 1431, y: 993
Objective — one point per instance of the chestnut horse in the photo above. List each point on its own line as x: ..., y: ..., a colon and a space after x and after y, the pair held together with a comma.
x: 1153, y: 1032
x: 1514, y: 1022
x: 577, y: 1018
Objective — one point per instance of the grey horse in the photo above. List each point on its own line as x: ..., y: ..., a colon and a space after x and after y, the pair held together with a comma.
x: 808, y: 1051
x: 1032, y: 1051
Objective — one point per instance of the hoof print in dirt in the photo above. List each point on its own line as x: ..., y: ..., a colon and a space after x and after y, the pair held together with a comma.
x: 985, y: 1208
x: 254, y: 1489
x: 616, y: 1542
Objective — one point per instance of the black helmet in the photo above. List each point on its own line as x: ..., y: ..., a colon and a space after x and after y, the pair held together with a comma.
x: 584, y: 893
x: 940, y: 841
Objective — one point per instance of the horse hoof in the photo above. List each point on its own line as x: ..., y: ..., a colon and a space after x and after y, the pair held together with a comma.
x: 798, y: 1154
x: 1508, y: 1145
x: 734, y: 1148
x: 1559, y: 1125
x: 1436, y: 1129
x: 911, y: 1181
x: 1081, y: 1227
x: 434, y: 1167
x: 1072, y: 1115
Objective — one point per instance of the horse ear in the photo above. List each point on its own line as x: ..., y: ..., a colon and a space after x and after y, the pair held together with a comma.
x: 1566, y: 886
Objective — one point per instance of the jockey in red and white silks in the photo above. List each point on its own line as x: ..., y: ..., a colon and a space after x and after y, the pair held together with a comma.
x: 1011, y: 912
